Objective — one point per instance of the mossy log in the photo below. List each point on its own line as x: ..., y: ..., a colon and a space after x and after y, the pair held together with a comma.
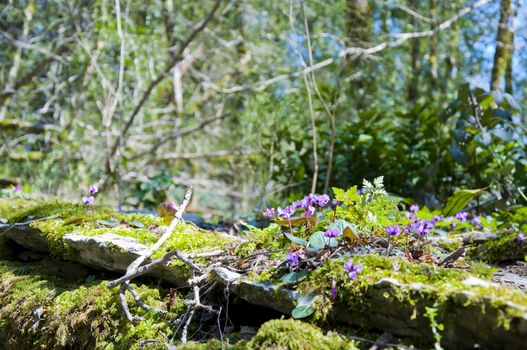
x: 391, y: 294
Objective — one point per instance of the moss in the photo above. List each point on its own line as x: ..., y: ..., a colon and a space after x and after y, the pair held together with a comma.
x: 72, y: 218
x: 505, y: 247
x: 297, y: 335
x: 41, y: 311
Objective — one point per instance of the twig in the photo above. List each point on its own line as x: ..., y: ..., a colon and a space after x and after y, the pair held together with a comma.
x: 140, y: 302
x: 10, y: 226
x: 453, y: 257
x: 137, y: 262
x: 134, y: 266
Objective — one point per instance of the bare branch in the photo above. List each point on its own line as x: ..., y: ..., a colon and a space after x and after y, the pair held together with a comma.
x: 177, y: 57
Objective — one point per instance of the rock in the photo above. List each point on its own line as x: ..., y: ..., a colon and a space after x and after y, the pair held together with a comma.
x: 115, y: 253
x: 28, y: 237
x: 399, y: 308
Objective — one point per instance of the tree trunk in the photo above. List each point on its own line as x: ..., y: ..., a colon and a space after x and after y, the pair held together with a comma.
x: 360, y: 19
x: 503, y: 53
x: 415, y: 45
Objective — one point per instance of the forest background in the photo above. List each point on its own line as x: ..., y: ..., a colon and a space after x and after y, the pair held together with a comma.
x: 254, y: 102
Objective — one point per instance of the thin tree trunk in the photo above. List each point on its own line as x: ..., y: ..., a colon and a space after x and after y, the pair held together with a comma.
x: 503, y: 53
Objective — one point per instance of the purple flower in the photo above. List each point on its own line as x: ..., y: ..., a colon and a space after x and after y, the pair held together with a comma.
x: 408, y: 229
x: 16, y: 188
x: 437, y: 218
x: 88, y: 200
x: 360, y: 191
x: 292, y: 259
x: 93, y: 189
x: 522, y: 238
x: 461, y: 216
x: 333, y: 289
x: 331, y: 233
x: 335, y: 203
x: 476, y: 221
x: 296, y: 205
x: 285, y: 213
x: 428, y: 225
x: 306, y: 202
x: 353, y: 270
x: 321, y: 200
x: 410, y: 216
x: 310, y: 211
x: 269, y: 212
x: 414, y: 208
x: 393, y: 230
x: 421, y: 228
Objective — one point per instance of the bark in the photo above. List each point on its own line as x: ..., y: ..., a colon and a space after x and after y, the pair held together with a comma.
x: 503, y: 53
x: 360, y: 20
x: 415, y: 46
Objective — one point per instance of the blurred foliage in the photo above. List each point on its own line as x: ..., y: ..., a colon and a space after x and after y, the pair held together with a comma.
x: 404, y: 112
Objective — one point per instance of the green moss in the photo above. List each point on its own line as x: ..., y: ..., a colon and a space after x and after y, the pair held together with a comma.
x: 506, y: 247
x: 297, y: 335
x: 72, y: 218
x: 72, y: 315
x: 10, y: 206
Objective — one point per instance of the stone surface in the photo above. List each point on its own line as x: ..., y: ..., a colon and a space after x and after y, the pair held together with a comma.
x: 114, y: 253
x: 28, y: 237
x: 399, y: 309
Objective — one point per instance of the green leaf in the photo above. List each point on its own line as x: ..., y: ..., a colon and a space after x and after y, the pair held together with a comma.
x: 293, y: 277
x: 459, y: 200
x: 318, y: 241
x: 136, y: 224
x: 305, y: 306
x: 296, y: 239
x: 109, y: 223
x: 302, y: 311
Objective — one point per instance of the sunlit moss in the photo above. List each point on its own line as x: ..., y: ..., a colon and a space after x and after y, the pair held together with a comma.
x: 504, y: 248
x: 84, y: 315
x: 297, y: 335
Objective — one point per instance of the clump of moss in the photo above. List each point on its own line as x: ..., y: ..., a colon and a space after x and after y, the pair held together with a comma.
x: 506, y: 247
x: 72, y: 218
x: 40, y: 310
x: 297, y: 335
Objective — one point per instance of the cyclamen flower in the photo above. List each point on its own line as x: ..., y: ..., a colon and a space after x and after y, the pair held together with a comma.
x: 414, y: 208
x: 269, y: 212
x: 331, y: 233
x: 310, y: 211
x: 306, y: 202
x: 421, y: 228
x: 410, y: 216
x: 321, y: 200
x: 333, y: 289
x: 286, y: 212
x: 461, y: 216
x: 93, y: 189
x: 522, y: 238
x: 296, y: 205
x: 393, y: 230
x: 353, y: 270
x: 88, y: 200
x: 437, y: 218
x: 292, y: 259
x: 476, y: 221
